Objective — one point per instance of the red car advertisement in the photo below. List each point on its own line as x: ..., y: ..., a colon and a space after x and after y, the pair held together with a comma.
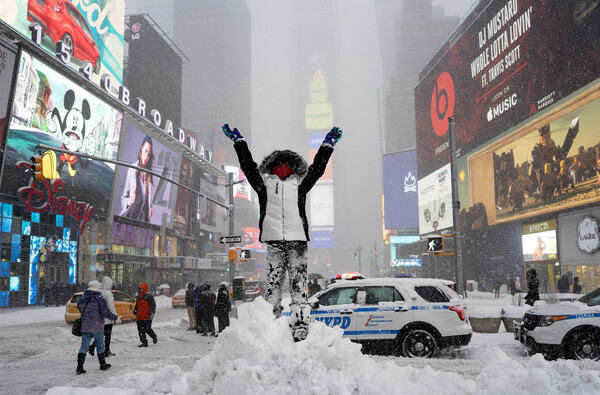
x: 516, y: 58
x: 92, y: 30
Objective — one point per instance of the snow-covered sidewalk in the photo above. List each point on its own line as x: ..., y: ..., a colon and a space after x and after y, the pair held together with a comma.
x: 257, y: 355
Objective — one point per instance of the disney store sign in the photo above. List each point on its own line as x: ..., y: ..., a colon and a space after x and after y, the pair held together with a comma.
x: 48, y: 199
x: 588, y: 238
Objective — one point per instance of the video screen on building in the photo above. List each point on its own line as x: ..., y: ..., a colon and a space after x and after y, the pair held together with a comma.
x: 539, y: 242
x: 509, y: 61
x: 400, y: 190
x: 551, y: 164
x: 49, y: 109
x: 435, y: 201
x: 142, y: 196
x: 92, y: 28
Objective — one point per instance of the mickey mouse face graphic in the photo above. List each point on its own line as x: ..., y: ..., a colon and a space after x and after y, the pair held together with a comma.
x: 74, y: 131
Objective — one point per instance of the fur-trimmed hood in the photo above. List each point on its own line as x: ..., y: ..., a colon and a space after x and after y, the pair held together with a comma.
x: 296, y: 162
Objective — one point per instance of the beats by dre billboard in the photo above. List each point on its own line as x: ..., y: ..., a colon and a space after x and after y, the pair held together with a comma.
x: 515, y: 58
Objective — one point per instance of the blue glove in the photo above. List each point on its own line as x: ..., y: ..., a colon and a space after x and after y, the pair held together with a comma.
x: 333, y: 137
x: 234, y: 135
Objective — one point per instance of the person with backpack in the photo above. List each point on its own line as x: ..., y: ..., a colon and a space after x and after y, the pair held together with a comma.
x: 94, y: 310
x: 223, y: 306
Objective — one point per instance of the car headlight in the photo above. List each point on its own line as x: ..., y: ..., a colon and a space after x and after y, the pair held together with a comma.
x: 548, y: 320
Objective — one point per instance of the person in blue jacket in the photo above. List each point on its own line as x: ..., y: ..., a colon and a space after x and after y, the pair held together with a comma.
x: 282, y: 182
x: 94, y: 310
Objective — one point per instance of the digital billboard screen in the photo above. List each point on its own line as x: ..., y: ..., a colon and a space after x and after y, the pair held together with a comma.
x: 49, y: 109
x: 93, y: 29
x: 539, y: 241
x: 515, y: 59
x: 400, y: 190
x: 142, y: 196
x: 549, y: 165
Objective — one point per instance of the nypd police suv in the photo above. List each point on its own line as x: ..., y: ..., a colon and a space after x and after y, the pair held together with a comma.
x: 407, y: 316
x: 570, y: 330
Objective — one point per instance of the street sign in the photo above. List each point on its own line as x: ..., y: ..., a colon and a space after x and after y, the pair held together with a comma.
x: 435, y: 244
x: 230, y: 239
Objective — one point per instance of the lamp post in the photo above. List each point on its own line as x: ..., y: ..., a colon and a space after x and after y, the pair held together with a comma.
x: 459, y: 275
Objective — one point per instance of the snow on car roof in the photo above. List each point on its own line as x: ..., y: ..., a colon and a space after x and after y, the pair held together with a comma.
x: 388, y: 281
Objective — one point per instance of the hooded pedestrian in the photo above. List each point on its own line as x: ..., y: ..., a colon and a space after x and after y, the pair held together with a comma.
x: 282, y: 182
x: 190, y: 305
x: 223, y: 306
x: 94, y: 310
x: 533, y: 285
x: 144, y: 309
x: 198, y: 306
x: 576, y: 285
x: 105, y: 290
x: 207, y: 300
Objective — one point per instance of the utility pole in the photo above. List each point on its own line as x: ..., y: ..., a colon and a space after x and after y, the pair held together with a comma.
x: 231, y: 223
x: 359, y: 259
x: 459, y: 274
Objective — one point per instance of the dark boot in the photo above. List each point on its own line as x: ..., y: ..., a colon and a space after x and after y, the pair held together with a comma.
x: 92, y: 348
x: 103, y: 364
x: 80, y: 361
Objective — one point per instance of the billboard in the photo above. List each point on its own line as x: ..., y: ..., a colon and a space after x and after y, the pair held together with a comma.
x: 515, y: 58
x: 435, y: 201
x: 540, y: 168
x: 158, y: 81
x: 142, y: 196
x: 213, y: 217
x: 93, y: 29
x: 49, y: 109
x: 539, y: 241
x: 185, y: 198
x: 241, y: 187
x: 400, y: 190
x: 321, y: 205
x: 321, y: 238
x: 319, y: 116
x: 7, y: 65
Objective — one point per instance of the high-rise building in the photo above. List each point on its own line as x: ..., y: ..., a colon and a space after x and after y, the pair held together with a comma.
x: 418, y: 30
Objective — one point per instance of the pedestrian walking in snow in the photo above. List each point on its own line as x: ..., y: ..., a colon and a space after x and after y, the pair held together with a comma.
x: 144, y: 309
x: 282, y: 182
x: 94, y: 310
x: 207, y: 299
x: 533, y: 285
x: 105, y: 290
x: 190, y: 305
x: 223, y: 306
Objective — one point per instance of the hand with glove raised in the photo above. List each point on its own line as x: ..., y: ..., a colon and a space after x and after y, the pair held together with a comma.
x: 234, y: 135
x: 333, y: 137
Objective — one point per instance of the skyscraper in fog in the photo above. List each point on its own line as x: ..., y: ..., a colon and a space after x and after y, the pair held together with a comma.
x: 410, y: 33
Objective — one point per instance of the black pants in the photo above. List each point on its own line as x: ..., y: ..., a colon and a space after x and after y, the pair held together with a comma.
x: 223, y: 319
x: 143, y: 328
x: 198, y: 320
x: 207, y: 322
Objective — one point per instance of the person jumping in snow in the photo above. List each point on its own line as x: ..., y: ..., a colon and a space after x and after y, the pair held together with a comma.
x: 282, y: 182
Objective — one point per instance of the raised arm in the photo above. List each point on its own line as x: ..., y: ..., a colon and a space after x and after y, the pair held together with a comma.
x: 247, y: 164
x: 317, y: 168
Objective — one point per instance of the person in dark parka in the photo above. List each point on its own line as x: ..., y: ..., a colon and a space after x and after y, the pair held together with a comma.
x: 223, y: 306
x: 282, y: 182
x: 94, y: 310
x: 144, y: 309
x: 533, y: 285
x: 207, y: 299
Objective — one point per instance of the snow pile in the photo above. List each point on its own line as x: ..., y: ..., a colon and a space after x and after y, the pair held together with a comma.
x: 503, y: 375
x: 257, y: 355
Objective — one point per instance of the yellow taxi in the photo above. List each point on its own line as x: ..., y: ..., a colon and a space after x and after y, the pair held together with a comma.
x: 124, y: 305
x: 178, y: 300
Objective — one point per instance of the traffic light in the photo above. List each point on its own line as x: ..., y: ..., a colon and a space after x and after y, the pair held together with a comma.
x: 38, y: 171
x: 435, y: 244
x: 355, y: 255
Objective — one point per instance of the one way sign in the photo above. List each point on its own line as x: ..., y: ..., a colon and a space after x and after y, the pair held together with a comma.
x: 230, y: 239
x: 435, y: 244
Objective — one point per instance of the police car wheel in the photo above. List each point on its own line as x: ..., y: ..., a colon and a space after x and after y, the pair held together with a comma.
x: 585, y: 345
x: 419, y: 343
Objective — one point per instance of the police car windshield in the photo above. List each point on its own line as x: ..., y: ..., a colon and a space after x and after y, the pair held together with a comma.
x: 592, y: 298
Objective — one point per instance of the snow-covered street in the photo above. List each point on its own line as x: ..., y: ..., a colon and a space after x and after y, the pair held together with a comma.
x: 257, y: 355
